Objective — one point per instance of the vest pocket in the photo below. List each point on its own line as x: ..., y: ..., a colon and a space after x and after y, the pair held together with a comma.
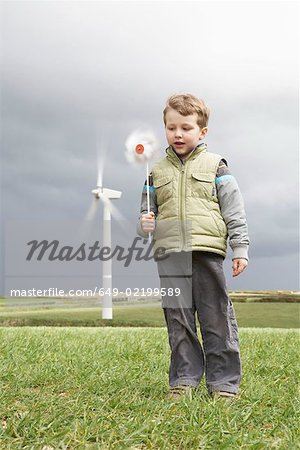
x: 202, y: 184
x: 163, y: 188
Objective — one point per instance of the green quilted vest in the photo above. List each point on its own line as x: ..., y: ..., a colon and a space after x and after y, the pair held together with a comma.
x: 189, y: 216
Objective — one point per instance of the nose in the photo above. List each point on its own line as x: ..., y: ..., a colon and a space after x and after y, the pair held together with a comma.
x: 178, y: 133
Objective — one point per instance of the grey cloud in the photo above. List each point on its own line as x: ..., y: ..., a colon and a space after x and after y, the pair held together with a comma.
x: 77, y: 71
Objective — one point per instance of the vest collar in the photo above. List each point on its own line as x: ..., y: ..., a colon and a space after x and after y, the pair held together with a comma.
x: 174, y: 158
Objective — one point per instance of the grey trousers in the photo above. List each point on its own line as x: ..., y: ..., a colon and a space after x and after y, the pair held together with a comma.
x: 201, y: 278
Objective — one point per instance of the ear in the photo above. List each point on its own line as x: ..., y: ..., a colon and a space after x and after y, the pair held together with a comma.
x: 203, y: 132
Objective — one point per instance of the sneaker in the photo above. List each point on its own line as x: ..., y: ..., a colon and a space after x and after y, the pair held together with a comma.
x: 178, y: 392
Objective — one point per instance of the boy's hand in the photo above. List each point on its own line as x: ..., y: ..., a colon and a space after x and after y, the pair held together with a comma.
x: 148, y: 222
x: 238, y: 266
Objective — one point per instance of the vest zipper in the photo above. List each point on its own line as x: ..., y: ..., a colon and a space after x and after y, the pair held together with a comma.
x: 182, y: 205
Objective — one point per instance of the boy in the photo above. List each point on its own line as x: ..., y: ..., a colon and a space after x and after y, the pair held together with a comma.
x: 195, y: 205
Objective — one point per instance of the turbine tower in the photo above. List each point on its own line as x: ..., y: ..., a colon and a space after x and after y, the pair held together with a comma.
x: 106, y: 195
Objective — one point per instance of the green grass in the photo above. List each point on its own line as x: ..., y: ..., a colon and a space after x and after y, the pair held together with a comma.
x: 271, y: 315
x: 105, y: 388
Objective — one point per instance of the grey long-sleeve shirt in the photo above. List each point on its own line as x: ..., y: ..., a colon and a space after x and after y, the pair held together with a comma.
x: 231, y: 205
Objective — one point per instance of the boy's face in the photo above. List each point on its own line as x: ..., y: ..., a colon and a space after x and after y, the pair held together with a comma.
x: 182, y: 132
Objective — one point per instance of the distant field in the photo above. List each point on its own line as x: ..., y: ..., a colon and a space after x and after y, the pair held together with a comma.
x: 273, y: 315
x: 105, y: 389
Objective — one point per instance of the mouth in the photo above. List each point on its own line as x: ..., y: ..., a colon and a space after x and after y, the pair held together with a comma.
x: 178, y: 144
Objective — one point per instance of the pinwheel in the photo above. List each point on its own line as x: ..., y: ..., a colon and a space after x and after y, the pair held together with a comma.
x: 141, y: 147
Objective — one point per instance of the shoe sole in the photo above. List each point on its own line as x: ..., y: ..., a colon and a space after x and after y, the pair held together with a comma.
x: 226, y: 395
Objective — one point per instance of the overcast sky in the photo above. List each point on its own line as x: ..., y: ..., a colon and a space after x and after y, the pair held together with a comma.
x: 78, y: 73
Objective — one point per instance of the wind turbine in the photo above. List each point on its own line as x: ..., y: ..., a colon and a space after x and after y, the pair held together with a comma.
x: 106, y: 195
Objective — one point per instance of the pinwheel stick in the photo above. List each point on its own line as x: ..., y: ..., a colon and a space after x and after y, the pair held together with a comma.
x: 148, y: 190
x: 148, y: 194
x: 140, y: 150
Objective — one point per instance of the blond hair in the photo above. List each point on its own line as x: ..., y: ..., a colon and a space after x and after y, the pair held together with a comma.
x: 188, y: 104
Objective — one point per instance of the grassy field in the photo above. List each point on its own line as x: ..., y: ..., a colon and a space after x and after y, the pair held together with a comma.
x: 274, y: 315
x: 105, y: 388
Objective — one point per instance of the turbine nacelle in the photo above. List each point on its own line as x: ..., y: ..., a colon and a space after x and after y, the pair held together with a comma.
x: 106, y: 193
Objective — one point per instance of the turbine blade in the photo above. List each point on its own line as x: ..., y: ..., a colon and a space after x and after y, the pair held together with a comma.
x: 101, y: 158
x: 88, y: 222
x: 91, y: 211
x: 100, y: 169
x: 116, y: 213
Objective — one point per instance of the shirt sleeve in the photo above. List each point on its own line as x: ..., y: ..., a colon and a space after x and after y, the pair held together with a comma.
x: 144, y: 208
x: 233, y: 211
